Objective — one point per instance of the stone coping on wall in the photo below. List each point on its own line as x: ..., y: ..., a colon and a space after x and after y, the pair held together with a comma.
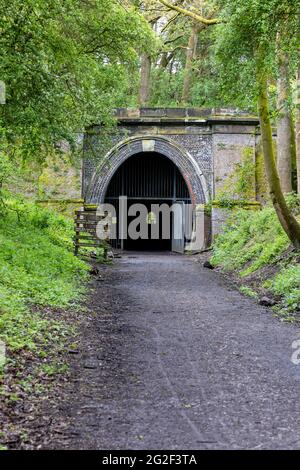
x: 183, y: 115
x: 63, y: 206
x: 59, y: 201
x: 236, y: 203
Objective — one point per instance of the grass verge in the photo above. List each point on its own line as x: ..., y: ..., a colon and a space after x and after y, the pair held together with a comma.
x: 254, y: 248
x: 42, y: 284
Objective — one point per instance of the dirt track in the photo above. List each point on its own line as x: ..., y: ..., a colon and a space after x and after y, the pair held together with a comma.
x: 176, y: 359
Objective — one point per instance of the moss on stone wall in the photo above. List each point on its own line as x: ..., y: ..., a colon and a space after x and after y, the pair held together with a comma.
x: 58, y: 178
x: 239, y: 186
x: 260, y: 178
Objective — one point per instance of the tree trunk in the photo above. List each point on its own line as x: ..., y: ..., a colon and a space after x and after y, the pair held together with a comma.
x: 286, y: 218
x: 164, y: 60
x: 298, y: 128
x: 284, y: 124
x: 144, y: 94
x: 293, y: 154
x: 190, y: 56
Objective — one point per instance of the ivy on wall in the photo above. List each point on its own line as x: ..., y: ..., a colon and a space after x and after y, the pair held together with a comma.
x: 239, y: 187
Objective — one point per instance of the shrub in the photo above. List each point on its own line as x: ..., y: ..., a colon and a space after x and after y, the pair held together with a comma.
x: 37, y: 267
x: 250, y: 241
x: 287, y: 284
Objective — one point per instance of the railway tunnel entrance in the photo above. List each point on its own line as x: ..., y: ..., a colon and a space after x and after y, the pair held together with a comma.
x: 152, y: 180
x: 165, y: 155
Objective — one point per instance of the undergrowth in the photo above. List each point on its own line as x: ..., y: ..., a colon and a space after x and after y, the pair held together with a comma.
x: 37, y: 268
x: 253, y: 240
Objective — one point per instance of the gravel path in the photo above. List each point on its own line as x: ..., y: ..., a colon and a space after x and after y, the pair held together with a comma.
x: 177, y: 359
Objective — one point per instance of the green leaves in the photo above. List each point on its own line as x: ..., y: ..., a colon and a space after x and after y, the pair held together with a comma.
x: 65, y: 65
x: 286, y: 284
x: 249, y: 27
x: 37, y: 267
x: 251, y: 240
x: 254, y: 242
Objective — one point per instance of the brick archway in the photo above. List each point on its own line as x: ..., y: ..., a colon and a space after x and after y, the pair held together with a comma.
x: 186, y: 164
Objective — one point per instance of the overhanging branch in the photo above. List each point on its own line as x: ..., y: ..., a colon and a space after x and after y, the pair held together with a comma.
x: 192, y: 15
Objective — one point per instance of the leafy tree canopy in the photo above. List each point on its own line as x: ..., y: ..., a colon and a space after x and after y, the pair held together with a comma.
x: 65, y: 65
x: 246, y: 29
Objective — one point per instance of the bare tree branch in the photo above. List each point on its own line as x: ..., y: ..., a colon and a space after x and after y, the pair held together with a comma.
x: 192, y: 15
x: 173, y: 18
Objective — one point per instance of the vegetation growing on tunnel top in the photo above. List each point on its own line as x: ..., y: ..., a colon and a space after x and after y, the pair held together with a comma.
x: 37, y: 268
x: 254, y: 240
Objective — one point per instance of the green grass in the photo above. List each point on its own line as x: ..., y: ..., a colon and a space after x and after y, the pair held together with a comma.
x: 287, y: 284
x: 37, y: 268
x: 250, y: 241
x: 248, y: 292
x: 254, y: 240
